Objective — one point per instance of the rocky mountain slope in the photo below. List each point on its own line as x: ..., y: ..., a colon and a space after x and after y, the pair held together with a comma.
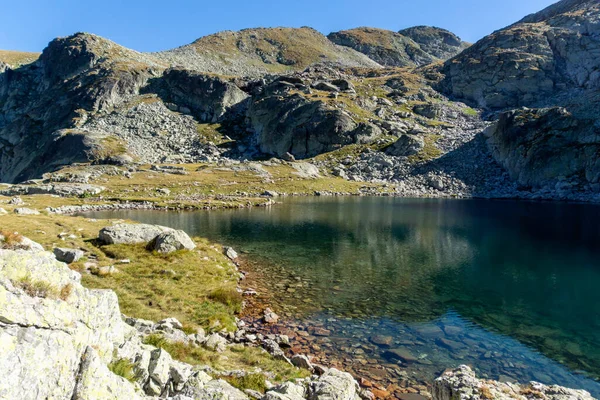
x: 255, y: 52
x: 547, y: 60
x: 414, y: 46
x: 294, y: 94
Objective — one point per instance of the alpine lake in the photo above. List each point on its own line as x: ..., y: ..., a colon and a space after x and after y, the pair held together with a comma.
x: 511, y: 288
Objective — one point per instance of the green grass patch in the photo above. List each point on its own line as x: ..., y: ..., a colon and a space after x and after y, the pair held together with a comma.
x: 193, y: 286
x: 236, y: 357
x: 123, y: 368
x: 256, y: 382
x: 429, y: 152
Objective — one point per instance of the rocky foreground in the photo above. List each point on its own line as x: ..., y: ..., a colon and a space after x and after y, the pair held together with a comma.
x: 60, y: 340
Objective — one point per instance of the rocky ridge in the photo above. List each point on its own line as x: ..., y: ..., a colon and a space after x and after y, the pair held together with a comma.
x: 416, y: 46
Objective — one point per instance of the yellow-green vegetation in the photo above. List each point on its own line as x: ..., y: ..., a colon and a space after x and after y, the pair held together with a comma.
x: 236, y: 357
x: 211, y: 133
x: 109, y: 146
x: 212, y: 186
x: 470, y: 111
x: 124, y: 368
x: 429, y: 152
x: 250, y: 381
x: 275, y: 49
x: 18, y: 58
x: 37, y: 288
x: 193, y: 286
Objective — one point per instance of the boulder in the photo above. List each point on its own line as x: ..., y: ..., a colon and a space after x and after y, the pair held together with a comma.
x: 170, y: 241
x: 230, y: 253
x: 334, y: 384
x: 216, y: 343
x: 67, y: 255
x: 289, y: 123
x: 26, y: 211
x: 406, y: 145
x: 130, y: 233
x: 302, y: 361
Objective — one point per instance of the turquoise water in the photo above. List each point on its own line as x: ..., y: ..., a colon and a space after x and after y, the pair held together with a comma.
x: 512, y: 288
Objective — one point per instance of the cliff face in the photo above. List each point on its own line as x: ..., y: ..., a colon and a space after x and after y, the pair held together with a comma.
x: 414, y: 46
x: 548, y: 59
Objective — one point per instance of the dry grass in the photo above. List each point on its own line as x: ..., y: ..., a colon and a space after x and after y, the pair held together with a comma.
x: 18, y: 58
x: 9, y: 239
x: 37, y: 288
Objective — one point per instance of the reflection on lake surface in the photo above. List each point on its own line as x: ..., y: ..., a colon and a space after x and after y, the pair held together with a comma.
x: 509, y: 287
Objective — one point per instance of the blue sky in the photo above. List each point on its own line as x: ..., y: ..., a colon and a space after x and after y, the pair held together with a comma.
x: 153, y: 25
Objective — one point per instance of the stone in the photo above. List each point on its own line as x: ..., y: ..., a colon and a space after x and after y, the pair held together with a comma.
x: 159, y: 372
x: 326, y: 86
x: 302, y: 361
x: 333, y: 384
x: 402, y: 354
x: 26, y: 211
x: 95, y: 381
x: 230, y: 253
x: 216, y: 343
x: 383, y: 341
x: 270, y: 317
x: 406, y: 145
x: 170, y: 241
x: 130, y: 233
x: 67, y: 255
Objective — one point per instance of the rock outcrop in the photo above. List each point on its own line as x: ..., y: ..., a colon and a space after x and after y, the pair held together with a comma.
x: 255, y: 52
x: 437, y: 42
x: 548, y: 62
x: 547, y: 147
x: 414, y: 46
x: 131, y: 233
x: 208, y: 97
x: 524, y: 64
x: 61, y: 340
x: 462, y: 383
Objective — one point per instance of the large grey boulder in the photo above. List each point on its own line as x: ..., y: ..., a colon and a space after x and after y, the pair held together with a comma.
x: 131, y: 233
x: 334, y: 385
x: 46, y: 334
x: 462, y: 383
x: 406, y: 145
x: 170, y: 241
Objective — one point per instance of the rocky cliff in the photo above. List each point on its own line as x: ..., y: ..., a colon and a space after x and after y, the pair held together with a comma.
x: 548, y: 59
x: 414, y: 46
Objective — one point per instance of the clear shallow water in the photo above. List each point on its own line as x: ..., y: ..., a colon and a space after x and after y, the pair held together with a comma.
x: 512, y: 288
